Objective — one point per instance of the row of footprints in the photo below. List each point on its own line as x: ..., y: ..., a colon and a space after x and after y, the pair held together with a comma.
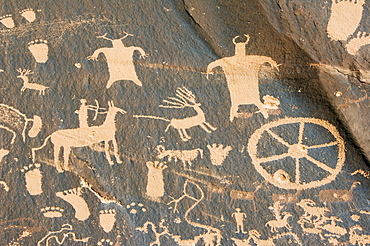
x: 28, y: 14
x: 33, y: 180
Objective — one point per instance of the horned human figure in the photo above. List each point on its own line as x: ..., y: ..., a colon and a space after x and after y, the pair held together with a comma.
x: 120, y: 60
x: 84, y: 136
x: 242, y: 72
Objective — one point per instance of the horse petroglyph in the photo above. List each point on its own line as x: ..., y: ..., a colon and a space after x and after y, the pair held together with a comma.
x: 120, y: 60
x: 185, y: 156
x: 242, y: 73
x: 33, y: 177
x: 81, y: 137
x: 345, y: 18
x: 74, y: 197
x: 155, y: 183
x: 281, y: 218
x: 338, y: 196
x: 23, y: 74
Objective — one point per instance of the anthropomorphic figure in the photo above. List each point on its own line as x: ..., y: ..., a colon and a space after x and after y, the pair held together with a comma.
x: 120, y: 60
x: 242, y: 72
x: 239, y: 218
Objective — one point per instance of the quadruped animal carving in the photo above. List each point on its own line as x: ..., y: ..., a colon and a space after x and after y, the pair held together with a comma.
x: 338, y: 196
x: 245, y: 195
x: 23, y: 74
x: 185, y: 156
x: 185, y: 98
x: 281, y: 218
x: 81, y: 137
x: 297, y: 150
x: 256, y: 237
x: 120, y: 60
x: 242, y: 73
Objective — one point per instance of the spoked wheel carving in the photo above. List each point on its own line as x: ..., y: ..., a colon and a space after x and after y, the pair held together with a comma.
x: 299, y: 150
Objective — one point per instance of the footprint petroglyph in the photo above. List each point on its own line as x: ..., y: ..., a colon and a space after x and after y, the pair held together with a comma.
x: 355, y: 44
x: 345, y: 17
x: 33, y: 178
x: 218, y: 153
x: 75, y: 199
x: 107, y: 219
x: 7, y: 21
x: 39, y: 49
x: 52, y: 212
x: 29, y: 14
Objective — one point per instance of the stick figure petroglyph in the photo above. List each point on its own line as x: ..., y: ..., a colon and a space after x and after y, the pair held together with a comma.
x: 120, y: 60
x: 80, y: 137
x: 239, y: 219
x: 242, y: 72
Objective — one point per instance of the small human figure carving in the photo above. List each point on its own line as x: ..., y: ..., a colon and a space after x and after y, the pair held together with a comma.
x: 345, y: 18
x: 185, y: 156
x: 33, y: 177
x: 281, y: 218
x: 242, y: 73
x: 107, y: 219
x: 29, y: 14
x: 155, y: 183
x: 23, y: 74
x: 7, y: 21
x: 74, y: 197
x: 239, y: 219
x: 120, y: 60
x: 83, y: 115
x: 218, y: 153
x: 40, y: 50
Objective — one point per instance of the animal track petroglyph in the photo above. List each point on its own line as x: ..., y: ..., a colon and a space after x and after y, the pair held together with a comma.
x: 39, y: 49
x: 7, y: 21
x: 155, y: 182
x: 33, y: 177
x: 52, y: 212
x: 105, y: 242
x: 74, y: 197
x: 218, y: 153
x: 29, y: 14
x: 107, y: 219
x: 134, y: 208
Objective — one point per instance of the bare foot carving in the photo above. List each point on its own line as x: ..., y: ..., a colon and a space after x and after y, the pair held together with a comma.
x: 7, y: 20
x: 39, y: 49
x: 107, y: 219
x: 33, y: 179
x: 73, y: 197
x: 355, y: 44
x: 345, y: 18
x: 28, y: 14
x: 52, y: 212
x: 155, y: 184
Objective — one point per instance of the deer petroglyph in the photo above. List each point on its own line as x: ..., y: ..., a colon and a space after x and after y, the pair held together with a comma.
x: 23, y: 74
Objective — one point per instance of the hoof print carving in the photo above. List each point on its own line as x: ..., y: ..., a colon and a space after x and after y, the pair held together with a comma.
x: 105, y: 242
x: 39, y: 49
x: 7, y: 21
x: 107, y: 219
x: 29, y: 15
x: 33, y: 177
x: 135, y: 208
x: 52, y: 212
x: 73, y: 197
